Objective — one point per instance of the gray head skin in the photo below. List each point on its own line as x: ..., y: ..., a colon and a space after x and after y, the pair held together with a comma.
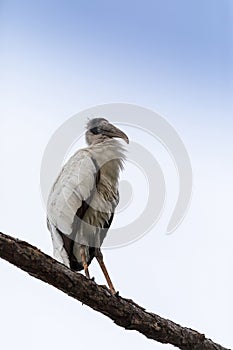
x: 99, y: 130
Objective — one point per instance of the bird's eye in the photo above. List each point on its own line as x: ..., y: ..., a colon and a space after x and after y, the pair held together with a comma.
x: 95, y: 131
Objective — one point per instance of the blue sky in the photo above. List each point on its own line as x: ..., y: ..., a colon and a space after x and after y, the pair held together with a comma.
x: 164, y: 48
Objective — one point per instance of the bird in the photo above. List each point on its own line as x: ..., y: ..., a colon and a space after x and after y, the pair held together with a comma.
x: 83, y: 198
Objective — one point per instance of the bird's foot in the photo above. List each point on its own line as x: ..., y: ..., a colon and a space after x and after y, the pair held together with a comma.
x: 114, y: 293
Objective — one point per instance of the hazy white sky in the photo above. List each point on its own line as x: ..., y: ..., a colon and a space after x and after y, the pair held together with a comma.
x: 184, y: 276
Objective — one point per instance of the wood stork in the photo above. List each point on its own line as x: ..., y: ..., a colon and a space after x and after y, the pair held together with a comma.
x: 83, y: 199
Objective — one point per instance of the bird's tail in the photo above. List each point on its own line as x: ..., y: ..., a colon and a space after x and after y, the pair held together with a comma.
x: 59, y: 251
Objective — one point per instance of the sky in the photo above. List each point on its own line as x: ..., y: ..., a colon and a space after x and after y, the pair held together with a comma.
x: 59, y: 58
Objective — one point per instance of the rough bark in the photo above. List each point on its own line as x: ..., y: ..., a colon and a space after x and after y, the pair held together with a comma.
x: 124, y: 312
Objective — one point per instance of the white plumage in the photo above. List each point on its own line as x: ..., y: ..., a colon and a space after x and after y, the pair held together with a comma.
x: 83, y: 198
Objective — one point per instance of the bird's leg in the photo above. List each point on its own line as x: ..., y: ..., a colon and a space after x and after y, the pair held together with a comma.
x: 84, y: 261
x: 99, y: 257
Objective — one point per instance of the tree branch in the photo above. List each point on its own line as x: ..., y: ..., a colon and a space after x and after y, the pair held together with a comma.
x: 124, y: 312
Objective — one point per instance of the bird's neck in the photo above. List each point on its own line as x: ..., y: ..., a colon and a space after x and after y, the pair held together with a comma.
x: 110, y: 156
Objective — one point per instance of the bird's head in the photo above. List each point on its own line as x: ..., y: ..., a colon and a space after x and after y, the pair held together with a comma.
x: 99, y: 129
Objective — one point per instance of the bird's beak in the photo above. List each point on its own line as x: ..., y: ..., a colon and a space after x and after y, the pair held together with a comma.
x: 112, y: 131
